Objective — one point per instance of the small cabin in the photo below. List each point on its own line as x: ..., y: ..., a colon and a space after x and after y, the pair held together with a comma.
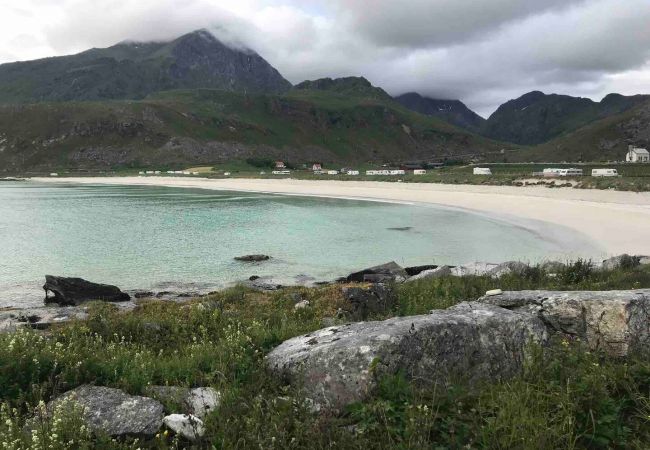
x: 280, y: 165
x: 316, y: 167
x: 604, y: 172
x: 637, y: 155
x: 482, y: 171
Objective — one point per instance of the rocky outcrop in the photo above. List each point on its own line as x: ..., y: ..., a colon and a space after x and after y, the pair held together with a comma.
x: 363, y: 302
x: 114, y: 412
x: 416, y: 270
x: 439, y: 272
x: 616, y: 322
x: 74, y: 291
x: 339, y: 365
x: 39, y: 318
x: 186, y: 425
x: 623, y: 261
x: 252, y: 258
x: 383, y: 273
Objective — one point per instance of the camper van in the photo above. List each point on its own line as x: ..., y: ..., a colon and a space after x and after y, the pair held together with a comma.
x: 482, y: 171
x: 604, y: 173
x: 571, y: 172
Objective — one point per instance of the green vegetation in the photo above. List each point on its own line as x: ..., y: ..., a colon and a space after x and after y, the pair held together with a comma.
x: 567, y: 397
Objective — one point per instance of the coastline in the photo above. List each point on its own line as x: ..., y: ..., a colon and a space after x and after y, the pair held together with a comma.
x: 617, y: 222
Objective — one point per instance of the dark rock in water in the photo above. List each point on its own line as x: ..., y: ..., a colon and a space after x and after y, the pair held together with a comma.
x: 400, y: 228
x: 252, y: 258
x: 74, y: 291
x: 438, y: 272
x: 144, y: 294
x: 263, y: 284
x: 365, y: 302
x: 162, y: 294
x: 472, y: 342
x: 394, y: 270
x: 114, y: 412
x: 253, y: 278
x: 416, y: 270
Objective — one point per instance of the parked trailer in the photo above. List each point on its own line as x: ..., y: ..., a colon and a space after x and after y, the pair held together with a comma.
x: 332, y: 172
x: 281, y: 172
x: 604, y: 172
x: 353, y: 172
x: 482, y: 171
x: 419, y: 172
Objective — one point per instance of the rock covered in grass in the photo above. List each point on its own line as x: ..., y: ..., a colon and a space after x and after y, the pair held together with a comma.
x: 186, y: 425
x: 198, y: 402
x: 115, y: 412
x: 390, y: 271
x: 616, y: 322
x: 74, y: 291
x: 366, y: 301
x: 340, y: 365
x: 623, y: 261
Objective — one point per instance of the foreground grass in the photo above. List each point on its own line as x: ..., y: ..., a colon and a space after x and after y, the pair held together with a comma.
x: 566, y: 397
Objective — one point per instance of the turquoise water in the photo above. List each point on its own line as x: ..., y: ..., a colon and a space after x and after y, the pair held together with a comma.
x: 160, y: 238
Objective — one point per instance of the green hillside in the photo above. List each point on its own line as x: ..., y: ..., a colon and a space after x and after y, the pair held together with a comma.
x: 212, y: 126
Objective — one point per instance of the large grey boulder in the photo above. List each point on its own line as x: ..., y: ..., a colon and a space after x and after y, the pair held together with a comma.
x: 340, y: 365
x: 439, y: 272
x: 74, y: 291
x: 186, y: 425
x: 616, y: 322
x: 198, y: 402
x: 390, y: 271
x: 620, y: 261
x: 114, y: 412
x: 475, y: 268
x: 363, y: 302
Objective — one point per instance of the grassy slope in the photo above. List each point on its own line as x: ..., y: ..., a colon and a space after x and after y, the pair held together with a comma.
x: 301, y: 126
x: 569, y: 398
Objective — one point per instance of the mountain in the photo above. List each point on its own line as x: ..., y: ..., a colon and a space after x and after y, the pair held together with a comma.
x: 349, y: 86
x: 605, y: 139
x: 452, y: 111
x: 536, y: 117
x: 205, y: 127
x: 132, y: 70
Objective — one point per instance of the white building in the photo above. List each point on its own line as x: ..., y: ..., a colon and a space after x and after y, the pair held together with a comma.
x: 604, y: 172
x: 637, y: 155
x: 419, y: 172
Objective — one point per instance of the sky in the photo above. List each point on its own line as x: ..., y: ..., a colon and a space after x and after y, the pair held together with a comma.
x: 483, y: 52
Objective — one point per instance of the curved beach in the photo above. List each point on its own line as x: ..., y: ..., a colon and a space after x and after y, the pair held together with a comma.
x: 618, y: 222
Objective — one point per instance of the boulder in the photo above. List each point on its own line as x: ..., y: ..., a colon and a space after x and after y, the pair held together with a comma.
x: 74, y: 291
x: 114, y: 412
x: 552, y: 266
x: 415, y: 270
x: 392, y: 270
x: 475, y: 268
x: 624, y: 261
x: 39, y: 318
x: 364, y: 302
x: 340, y: 365
x: 188, y: 426
x: 440, y: 272
x: 616, y: 322
x: 508, y: 267
x: 252, y: 258
x: 198, y: 402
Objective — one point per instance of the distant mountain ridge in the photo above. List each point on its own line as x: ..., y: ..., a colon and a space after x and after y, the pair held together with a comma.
x: 452, y: 111
x: 132, y: 70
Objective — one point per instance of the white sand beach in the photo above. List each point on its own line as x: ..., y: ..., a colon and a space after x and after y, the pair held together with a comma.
x: 619, y: 222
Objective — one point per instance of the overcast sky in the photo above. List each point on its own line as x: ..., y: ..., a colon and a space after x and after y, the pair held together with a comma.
x: 482, y: 52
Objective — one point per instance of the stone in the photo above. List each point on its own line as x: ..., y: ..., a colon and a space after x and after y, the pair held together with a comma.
x: 552, y: 266
x: 415, y: 270
x: 394, y: 271
x: 439, y: 272
x: 621, y: 261
x: 186, y: 425
x: 39, y: 318
x: 303, y: 304
x: 475, y: 269
x: 507, y: 268
x: 114, y: 412
x: 198, y: 402
x: 615, y: 322
x: 74, y: 291
x: 368, y: 301
x: 144, y: 294
x: 340, y: 365
x: 252, y: 258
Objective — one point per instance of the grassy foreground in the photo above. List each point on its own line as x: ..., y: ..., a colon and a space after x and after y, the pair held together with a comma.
x: 566, y: 398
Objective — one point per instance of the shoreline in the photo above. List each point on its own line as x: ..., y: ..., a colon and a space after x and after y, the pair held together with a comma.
x: 617, y: 222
